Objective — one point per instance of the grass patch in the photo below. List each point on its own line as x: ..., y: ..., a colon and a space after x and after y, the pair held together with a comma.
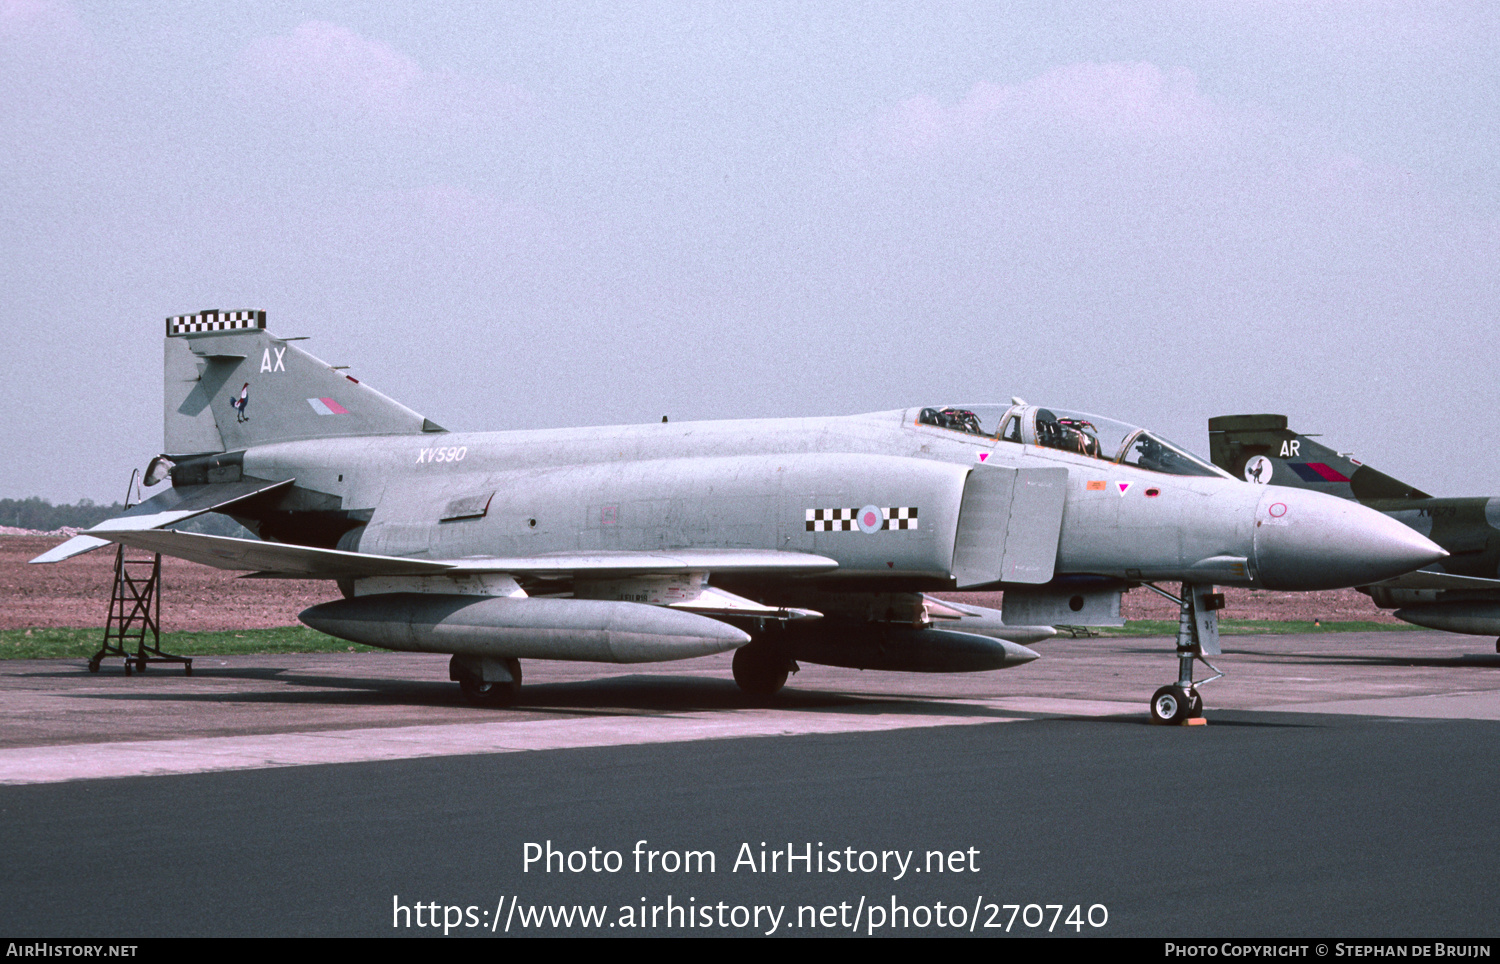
x: 1251, y: 627
x: 84, y: 643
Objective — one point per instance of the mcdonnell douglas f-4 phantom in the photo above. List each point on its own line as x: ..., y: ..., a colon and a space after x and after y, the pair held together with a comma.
x: 812, y: 539
x: 1461, y: 594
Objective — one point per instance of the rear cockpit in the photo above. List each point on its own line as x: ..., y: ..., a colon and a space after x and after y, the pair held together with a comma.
x: 1082, y: 434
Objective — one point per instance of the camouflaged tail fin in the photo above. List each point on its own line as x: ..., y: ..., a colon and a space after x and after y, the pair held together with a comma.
x: 230, y: 384
x: 1260, y: 448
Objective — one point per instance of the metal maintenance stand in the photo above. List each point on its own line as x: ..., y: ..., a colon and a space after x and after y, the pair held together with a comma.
x: 134, y: 611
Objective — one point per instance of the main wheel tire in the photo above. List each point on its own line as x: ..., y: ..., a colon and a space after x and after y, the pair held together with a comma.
x: 1169, y: 705
x: 480, y: 693
x: 760, y: 670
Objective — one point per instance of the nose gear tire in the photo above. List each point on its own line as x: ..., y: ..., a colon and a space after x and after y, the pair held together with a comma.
x: 1171, y: 704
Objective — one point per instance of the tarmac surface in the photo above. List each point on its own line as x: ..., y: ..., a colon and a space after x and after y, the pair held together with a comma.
x: 1345, y: 785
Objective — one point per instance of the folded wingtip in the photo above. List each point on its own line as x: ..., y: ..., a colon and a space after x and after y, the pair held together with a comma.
x: 75, y: 546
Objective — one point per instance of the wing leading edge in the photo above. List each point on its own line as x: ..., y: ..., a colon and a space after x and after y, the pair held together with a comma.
x: 279, y: 559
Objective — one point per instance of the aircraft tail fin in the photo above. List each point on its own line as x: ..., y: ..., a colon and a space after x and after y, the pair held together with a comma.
x: 1260, y: 448
x: 230, y: 384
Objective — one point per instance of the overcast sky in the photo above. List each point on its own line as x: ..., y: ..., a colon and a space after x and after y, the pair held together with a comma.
x: 512, y: 215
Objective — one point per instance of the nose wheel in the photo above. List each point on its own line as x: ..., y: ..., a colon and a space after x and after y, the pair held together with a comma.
x: 1173, y: 704
x: 1197, y: 635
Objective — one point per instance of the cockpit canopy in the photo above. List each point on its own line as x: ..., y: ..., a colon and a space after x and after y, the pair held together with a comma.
x: 1090, y: 435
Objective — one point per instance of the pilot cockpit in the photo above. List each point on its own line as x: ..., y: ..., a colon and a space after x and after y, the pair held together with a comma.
x: 1088, y: 435
x: 1068, y: 434
x: 957, y: 419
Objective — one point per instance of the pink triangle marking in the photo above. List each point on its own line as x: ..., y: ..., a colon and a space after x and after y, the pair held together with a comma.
x: 1123, y: 486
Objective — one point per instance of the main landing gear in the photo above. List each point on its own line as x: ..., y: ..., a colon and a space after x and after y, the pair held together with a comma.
x: 1197, y: 637
x: 761, y: 667
x: 486, y: 680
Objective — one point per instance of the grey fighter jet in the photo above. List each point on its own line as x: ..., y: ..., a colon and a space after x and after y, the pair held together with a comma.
x: 1460, y: 594
x: 812, y: 539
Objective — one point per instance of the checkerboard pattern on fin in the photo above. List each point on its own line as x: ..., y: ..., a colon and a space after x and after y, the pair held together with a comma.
x: 215, y: 321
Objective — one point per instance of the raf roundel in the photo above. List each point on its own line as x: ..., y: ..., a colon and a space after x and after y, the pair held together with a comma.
x: 869, y: 520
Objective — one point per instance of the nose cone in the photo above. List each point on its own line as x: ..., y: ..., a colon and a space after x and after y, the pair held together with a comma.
x: 1308, y: 540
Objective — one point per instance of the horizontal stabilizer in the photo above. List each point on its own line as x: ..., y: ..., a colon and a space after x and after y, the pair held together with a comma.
x: 173, y: 505
x: 288, y: 560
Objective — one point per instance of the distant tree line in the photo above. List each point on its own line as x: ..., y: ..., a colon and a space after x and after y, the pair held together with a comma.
x: 37, y: 513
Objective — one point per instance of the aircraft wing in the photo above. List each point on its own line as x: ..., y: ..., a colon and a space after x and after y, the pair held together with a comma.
x: 658, y: 562
x: 279, y: 559
x: 173, y: 505
x: 1428, y: 579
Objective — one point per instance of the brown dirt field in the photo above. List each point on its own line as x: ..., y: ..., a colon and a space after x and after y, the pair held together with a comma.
x: 75, y: 593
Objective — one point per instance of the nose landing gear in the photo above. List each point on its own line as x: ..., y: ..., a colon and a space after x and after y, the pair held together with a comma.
x: 1197, y: 637
x: 1173, y: 704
